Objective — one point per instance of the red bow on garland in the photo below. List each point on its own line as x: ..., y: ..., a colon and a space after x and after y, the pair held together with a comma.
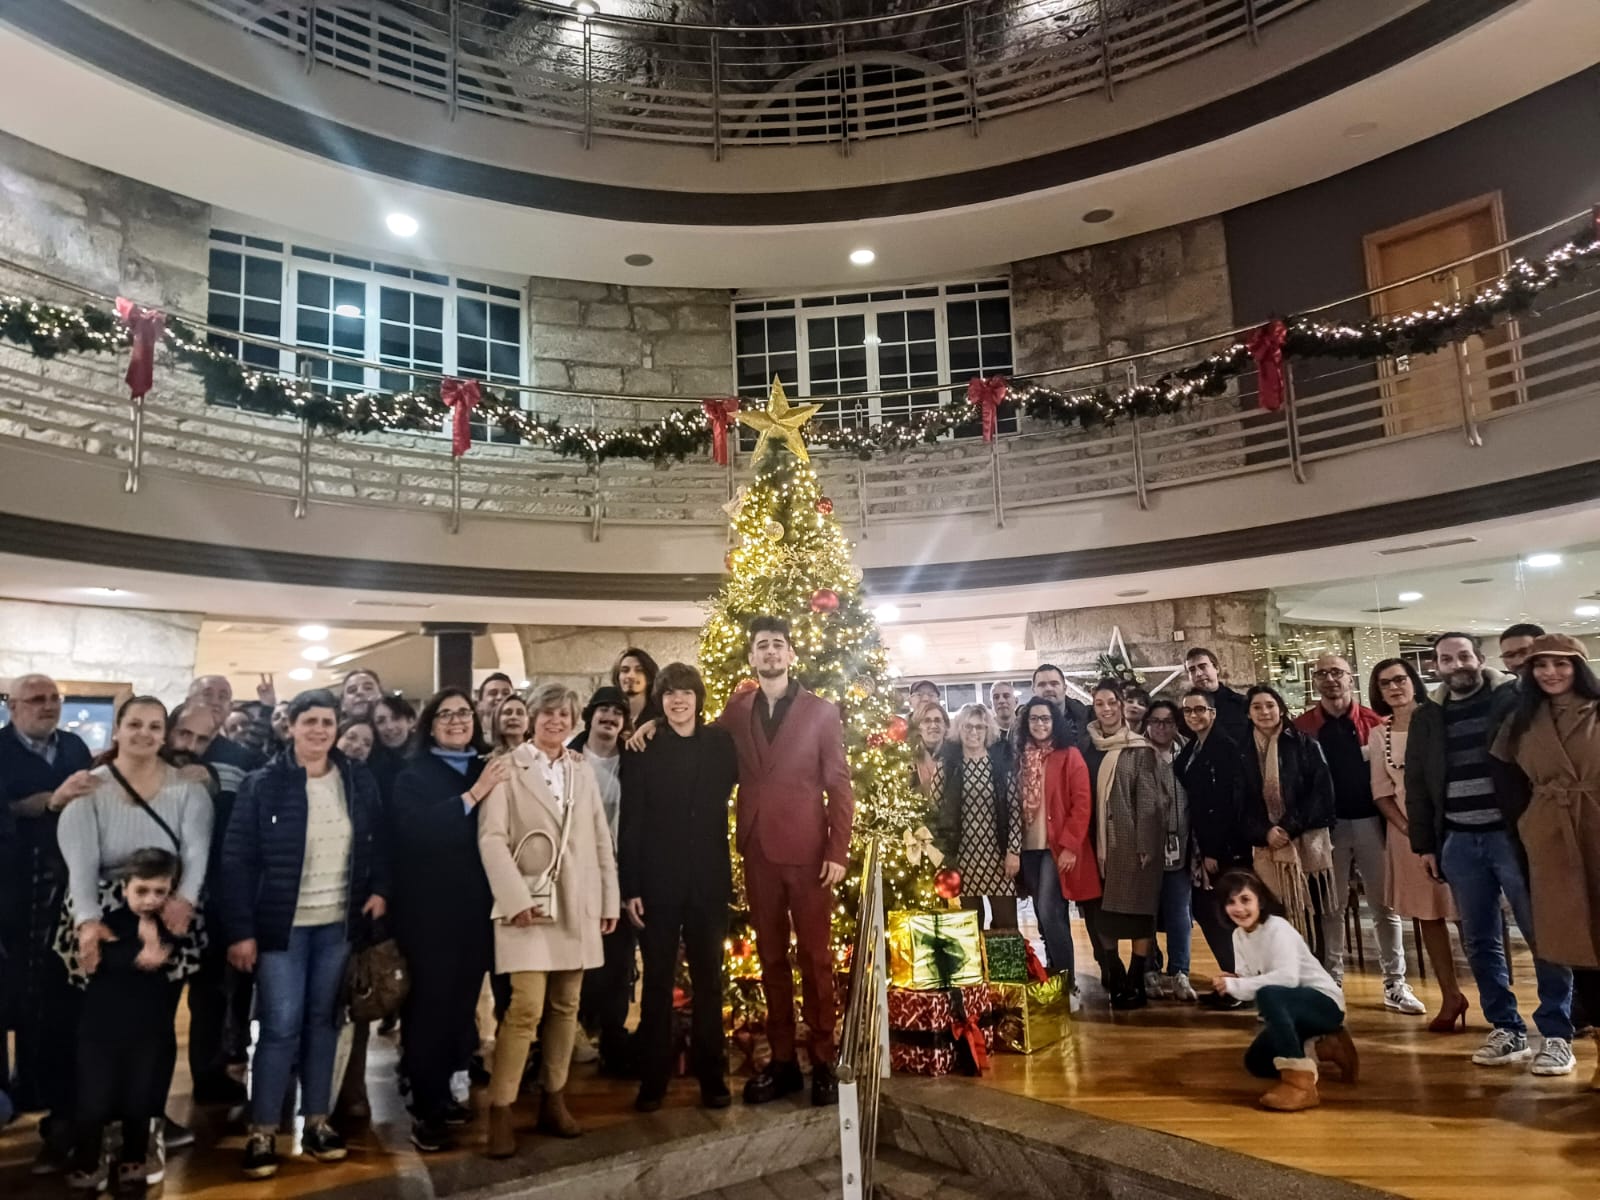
x: 987, y: 395
x: 145, y: 325
x: 720, y: 413
x: 460, y: 395
x: 1266, y: 347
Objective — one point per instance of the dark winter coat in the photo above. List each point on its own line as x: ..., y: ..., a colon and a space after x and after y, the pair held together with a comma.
x: 1304, y: 779
x: 265, y: 847
x: 1211, y: 775
x: 440, y: 890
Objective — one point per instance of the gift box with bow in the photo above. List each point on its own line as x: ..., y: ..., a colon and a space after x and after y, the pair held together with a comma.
x: 905, y: 1059
x: 1006, y: 953
x: 935, y: 950
x: 1031, y: 1016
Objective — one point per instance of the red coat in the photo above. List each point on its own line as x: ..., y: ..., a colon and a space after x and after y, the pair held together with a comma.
x: 781, y: 811
x: 1068, y: 805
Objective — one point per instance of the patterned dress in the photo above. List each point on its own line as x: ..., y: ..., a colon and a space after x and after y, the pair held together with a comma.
x: 979, y: 857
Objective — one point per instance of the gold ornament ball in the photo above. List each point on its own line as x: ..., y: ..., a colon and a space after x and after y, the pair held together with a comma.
x: 774, y: 529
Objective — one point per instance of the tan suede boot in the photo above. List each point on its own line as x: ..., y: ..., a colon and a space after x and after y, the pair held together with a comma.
x: 1295, y: 1091
x: 502, y: 1136
x: 554, y: 1118
x: 1336, y: 1049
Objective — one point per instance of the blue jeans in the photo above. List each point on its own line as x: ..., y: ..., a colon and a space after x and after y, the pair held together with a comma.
x: 1479, y: 868
x: 1040, y: 877
x: 1175, y: 919
x: 297, y: 1000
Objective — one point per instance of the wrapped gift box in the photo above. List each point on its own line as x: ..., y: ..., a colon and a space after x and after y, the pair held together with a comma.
x: 934, y: 1012
x: 935, y: 950
x: 1031, y: 1016
x: 907, y: 1059
x: 1006, y: 954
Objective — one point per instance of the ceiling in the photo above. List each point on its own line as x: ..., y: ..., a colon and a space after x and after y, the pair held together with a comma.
x: 1526, y: 46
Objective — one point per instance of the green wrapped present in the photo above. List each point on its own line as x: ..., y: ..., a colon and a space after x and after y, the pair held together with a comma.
x: 1006, y: 952
x: 930, y: 950
x: 1031, y: 1016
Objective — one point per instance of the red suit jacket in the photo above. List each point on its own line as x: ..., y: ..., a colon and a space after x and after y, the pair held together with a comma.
x: 781, y: 785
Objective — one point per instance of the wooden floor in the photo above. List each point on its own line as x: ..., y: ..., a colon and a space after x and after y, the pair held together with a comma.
x: 1423, y: 1123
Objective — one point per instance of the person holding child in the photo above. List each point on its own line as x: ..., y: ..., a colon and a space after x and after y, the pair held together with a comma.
x: 1300, y: 1006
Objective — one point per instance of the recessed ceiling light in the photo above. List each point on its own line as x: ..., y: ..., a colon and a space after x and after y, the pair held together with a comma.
x: 1098, y: 216
x: 886, y: 614
x: 1479, y: 579
x: 863, y: 257
x: 1543, y: 561
x: 1587, y: 610
x: 402, y: 224
x: 1135, y: 592
x: 1409, y: 597
x: 346, y: 310
x: 104, y: 591
x: 1000, y: 655
x: 312, y: 633
x: 638, y: 260
x: 653, y: 620
x: 913, y: 644
x: 1360, y: 129
x: 301, y: 674
x: 315, y: 653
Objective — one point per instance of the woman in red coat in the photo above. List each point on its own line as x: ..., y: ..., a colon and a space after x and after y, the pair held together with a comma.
x: 1053, y: 793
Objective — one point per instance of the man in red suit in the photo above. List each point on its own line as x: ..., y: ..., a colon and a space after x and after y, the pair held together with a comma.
x: 794, y: 814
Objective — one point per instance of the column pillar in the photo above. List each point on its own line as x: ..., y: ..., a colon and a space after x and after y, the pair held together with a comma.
x: 452, y: 653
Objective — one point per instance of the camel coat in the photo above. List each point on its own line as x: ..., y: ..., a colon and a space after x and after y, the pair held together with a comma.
x: 1560, y: 755
x: 587, y: 889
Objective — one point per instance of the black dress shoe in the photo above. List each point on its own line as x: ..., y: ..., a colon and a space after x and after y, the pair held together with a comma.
x: 647, y: 1103
x: 773, y: 1081
x: 715, y: 1095
x: 824, y: 1087
x: 1130, y: 998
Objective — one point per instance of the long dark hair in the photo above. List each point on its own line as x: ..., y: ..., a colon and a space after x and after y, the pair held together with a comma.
x: 1234, y: 882
x: 1531, y: 697
x: 1375, y: 696
x: 1060, y: 731
x: 430, y: 711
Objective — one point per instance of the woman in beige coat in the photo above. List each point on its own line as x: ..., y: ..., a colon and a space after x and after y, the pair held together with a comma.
x: 548, y: 787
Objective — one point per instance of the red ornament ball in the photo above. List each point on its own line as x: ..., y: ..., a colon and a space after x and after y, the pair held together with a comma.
x: 898, y: 728
x: 824, y: 506
x: 824, y: 600
x: 947, y: 882
x: 875, y: 740
x: 745, y: 685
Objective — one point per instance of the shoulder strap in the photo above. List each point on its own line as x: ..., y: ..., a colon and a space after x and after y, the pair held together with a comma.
x: 566, y: 821
x: 177, y: 845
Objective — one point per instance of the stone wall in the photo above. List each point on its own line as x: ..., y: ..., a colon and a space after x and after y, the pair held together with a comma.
x: 581, y: 656
x: 1234, y: 626
x: 152, y: 652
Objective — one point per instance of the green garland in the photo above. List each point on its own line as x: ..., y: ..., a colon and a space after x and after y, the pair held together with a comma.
x: 48, y: 330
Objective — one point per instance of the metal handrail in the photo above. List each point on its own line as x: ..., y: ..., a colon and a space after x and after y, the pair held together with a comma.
x: 955, y: 62
x: 863, y: 1059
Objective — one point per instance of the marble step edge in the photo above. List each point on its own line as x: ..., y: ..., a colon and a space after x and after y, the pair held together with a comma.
x: 1039, y: 1151
x: 899, y: 1175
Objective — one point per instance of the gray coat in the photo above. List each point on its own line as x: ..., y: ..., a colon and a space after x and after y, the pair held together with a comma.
x: 1136, y: 823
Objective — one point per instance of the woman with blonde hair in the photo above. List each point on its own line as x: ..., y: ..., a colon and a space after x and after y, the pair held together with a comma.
x: 932, y: 725
x: 979, y: 814
x: 546, y: 847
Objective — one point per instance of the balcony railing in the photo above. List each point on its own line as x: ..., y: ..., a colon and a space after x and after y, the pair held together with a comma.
x: 76, y: 408
x: 959, y: 63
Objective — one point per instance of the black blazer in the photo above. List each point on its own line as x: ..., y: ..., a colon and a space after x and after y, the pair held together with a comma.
x: 441, y: 893
x: 1306, y: 782
x: 1211, y: 776
x: 672, y: 835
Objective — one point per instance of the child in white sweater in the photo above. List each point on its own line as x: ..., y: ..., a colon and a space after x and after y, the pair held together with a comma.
x: 1301, y: 1007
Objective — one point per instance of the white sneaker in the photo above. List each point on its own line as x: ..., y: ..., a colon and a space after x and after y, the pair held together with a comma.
x: 1504, y: 1046
x: 1155, y: 985
x: 1398, y: 997
x: 1179, y: 988
x: 1554, y: 1058
x: 1075, y: 1002
x: 155, y: 1167
x: 583, y: 1050
x: 460, y: 1087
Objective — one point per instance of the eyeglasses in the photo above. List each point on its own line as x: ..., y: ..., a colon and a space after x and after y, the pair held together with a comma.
x: 1040, y: 719
x: 1190, y: 710
x: 1329, y: 673
x: 1394, y: 681
x: 454, y: 714
x: 1163, y: 721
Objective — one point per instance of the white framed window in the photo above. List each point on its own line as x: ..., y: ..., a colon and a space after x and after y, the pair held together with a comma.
x: 399, y: 318
x: 836, y: 349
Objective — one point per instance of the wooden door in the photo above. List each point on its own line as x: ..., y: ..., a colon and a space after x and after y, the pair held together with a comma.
x: 1423, y: 391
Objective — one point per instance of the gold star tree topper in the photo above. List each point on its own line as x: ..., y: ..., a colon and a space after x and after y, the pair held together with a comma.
x: 781, y: 422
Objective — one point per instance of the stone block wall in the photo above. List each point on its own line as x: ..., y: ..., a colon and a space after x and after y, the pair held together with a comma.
x: 153, y: 652
x: 581, y: 656
x: 1234, y: 626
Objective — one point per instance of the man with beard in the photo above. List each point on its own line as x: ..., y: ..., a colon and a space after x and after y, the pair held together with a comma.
x: 634, y: 675
x: 1461, y: 826
x: 608, y: 989
x: 1514, y: 644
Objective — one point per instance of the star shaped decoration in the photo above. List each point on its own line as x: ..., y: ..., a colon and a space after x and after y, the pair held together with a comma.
x: 780, y: 422
x: 1117, y: 648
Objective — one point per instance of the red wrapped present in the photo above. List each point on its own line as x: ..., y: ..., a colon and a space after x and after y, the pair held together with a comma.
x: 922, y: 1060
x: 934, y: 1011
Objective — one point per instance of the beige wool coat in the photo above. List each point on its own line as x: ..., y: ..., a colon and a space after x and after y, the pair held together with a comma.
x: 587, y: 890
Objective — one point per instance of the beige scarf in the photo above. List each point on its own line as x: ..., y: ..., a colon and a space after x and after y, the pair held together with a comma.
x: 1106, y: 778
x: 1302, y: 867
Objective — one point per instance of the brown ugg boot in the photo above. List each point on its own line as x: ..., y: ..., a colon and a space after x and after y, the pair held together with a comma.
x: 554, y: 1118
x: 502, y: 1137
x: 1295, y: 1091
x: 1337, y: 1050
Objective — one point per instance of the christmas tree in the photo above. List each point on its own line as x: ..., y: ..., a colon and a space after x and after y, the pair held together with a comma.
x: 791, y: 559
